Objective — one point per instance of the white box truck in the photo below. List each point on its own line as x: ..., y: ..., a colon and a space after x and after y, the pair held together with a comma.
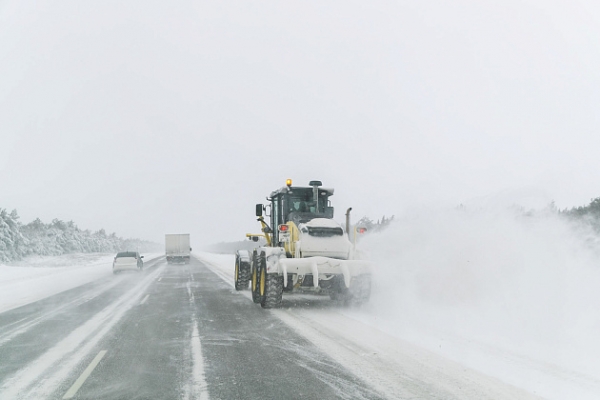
x: 177, y: 248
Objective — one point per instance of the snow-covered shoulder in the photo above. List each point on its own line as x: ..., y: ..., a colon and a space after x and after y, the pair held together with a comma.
x: 37, y: 277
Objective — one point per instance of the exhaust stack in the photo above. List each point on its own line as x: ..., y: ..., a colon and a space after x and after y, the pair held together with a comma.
x: 348, y: 222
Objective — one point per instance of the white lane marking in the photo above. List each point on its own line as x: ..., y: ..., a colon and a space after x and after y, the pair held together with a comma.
x: 159, y: 279
x: 197, y: 389
x: 64, y: 356
x: 83, y: 377
x: 199, y: 386
x: 191, y: 299
x: 144, y: 299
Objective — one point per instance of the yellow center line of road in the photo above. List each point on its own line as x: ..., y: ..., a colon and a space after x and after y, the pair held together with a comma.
x: 144, y: 299
x: 88, y: 371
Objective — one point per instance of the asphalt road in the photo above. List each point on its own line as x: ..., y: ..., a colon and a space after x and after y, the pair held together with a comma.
x: 170, y: 332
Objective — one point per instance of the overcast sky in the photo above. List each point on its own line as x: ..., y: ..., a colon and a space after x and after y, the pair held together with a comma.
x: 153, y: 117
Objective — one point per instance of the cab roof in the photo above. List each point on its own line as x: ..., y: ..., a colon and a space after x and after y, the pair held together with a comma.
x: 287, y: 189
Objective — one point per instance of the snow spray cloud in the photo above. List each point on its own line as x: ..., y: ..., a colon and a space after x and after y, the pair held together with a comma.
x: 524, y: 282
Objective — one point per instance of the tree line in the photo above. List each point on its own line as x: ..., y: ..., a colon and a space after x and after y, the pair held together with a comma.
x: 18, y: 240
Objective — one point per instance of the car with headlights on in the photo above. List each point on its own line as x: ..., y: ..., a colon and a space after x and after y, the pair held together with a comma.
x: 128, y: 261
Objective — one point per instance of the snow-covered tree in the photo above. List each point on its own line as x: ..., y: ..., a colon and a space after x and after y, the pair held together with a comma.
x: 58, y: 237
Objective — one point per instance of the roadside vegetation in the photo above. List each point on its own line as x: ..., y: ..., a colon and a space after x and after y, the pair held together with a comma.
x: 589, y: 214
x: 18, y: 240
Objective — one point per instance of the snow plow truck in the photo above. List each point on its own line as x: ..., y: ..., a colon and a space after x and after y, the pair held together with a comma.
x: 305, y: 251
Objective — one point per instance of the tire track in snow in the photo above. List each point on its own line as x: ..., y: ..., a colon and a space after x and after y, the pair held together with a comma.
x: 25, y: 324
x: 72, y: 350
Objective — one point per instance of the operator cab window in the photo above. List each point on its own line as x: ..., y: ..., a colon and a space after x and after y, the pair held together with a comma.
x: 299, y: 206
x: 306, y: 204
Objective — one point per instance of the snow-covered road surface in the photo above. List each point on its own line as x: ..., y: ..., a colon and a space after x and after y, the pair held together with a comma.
x: 182, y: 331
x: 412, y: 360
x: 174, y: 331
x: 60, y: 360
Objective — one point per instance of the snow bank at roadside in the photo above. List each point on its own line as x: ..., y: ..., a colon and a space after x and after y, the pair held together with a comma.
x: 36, y: 277
x: 513, y: 296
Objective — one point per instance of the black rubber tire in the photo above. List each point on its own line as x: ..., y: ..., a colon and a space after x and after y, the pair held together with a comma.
x: 244, y: 274
x: 256, y: 265
x: 241, y: 275
x: 360, y: 291
x: 358, y: 294
x: 338, y: 292
x: 236, y: 272
x: 273, y: 291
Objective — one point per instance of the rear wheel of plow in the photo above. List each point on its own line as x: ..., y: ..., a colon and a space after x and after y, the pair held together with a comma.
x: 241, y: 277
x: 256, y: 271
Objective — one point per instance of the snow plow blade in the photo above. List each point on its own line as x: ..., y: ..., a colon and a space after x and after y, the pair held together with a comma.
x: 323, y: 266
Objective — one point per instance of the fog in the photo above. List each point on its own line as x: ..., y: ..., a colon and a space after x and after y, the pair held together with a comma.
x: 146, y: 118
x: 512, y: 295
